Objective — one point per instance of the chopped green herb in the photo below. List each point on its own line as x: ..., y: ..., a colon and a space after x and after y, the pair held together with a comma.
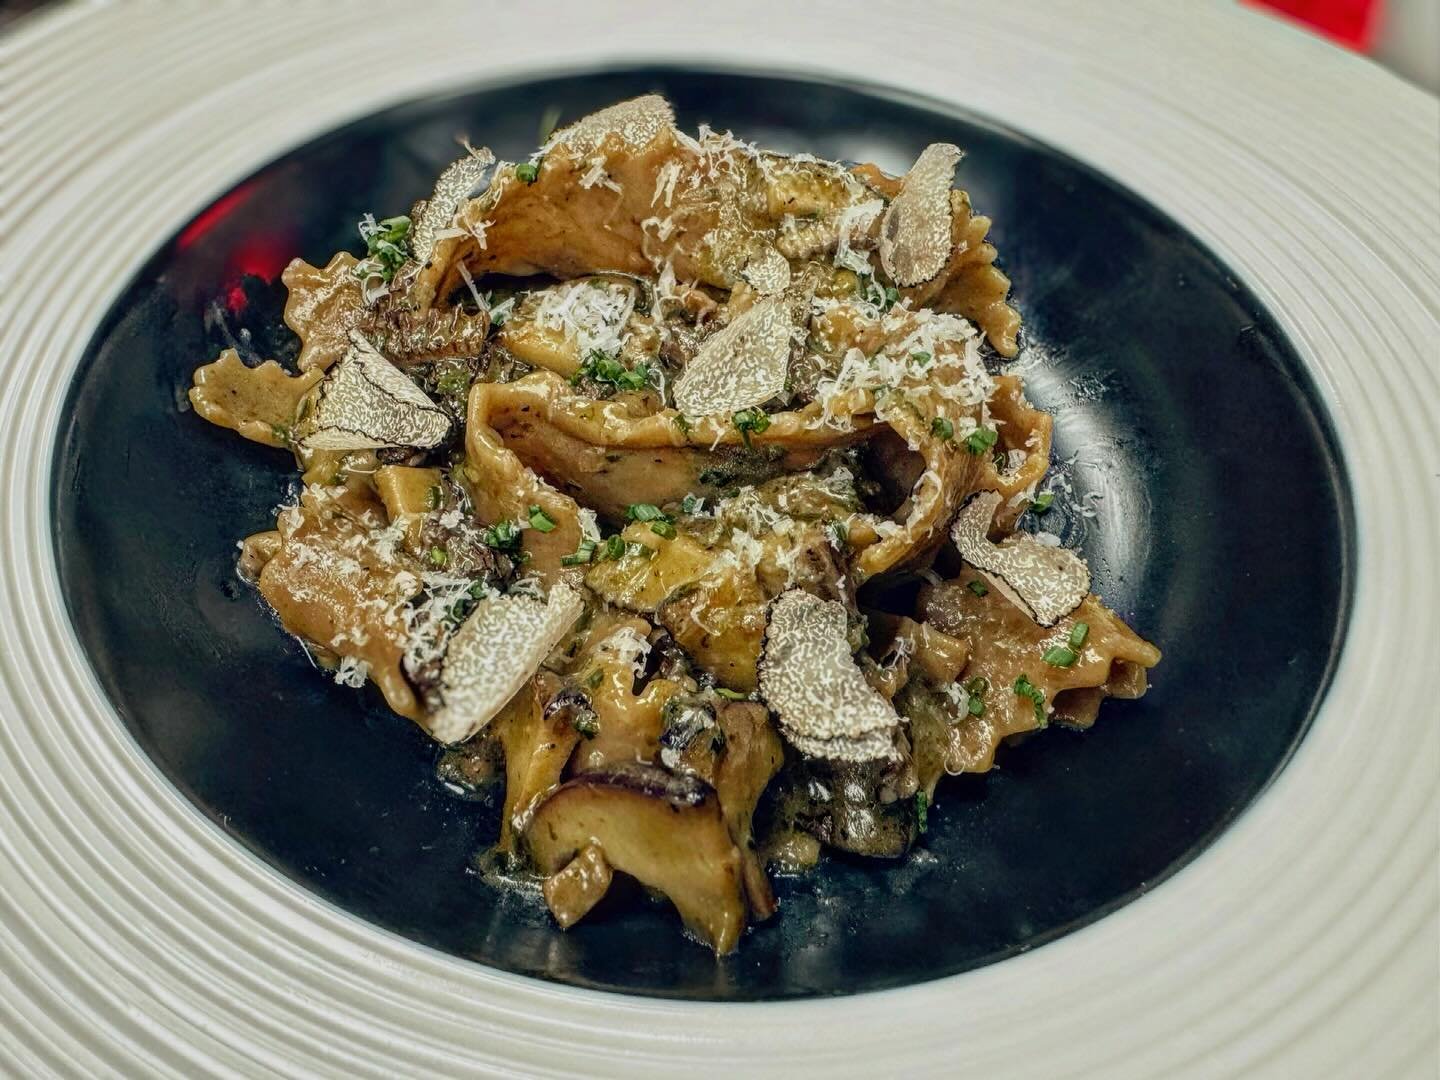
x: 582, y: 554
x: 981, y: 439
x: 502, y: 536
x: 540, y: 520
x: 975, y: 707
x: 892, y: 296
x: 977, y: 686
x: 1043, y: 502
x: 663, y: 528
x: 681, y: 422
x: 601, y: 367
x: 1078, y: 633
x: 728, y: 694
x: 1026, y: 689
x: 527, y: 172
x: 1059, y: 656
x: 614, y: 547
x: 386, y: 244
x: 750, y: 420
x: 644, y: 512
x: 586, y: 722
x: 921, y: 358
x: 839, y: 532
x: 435, y: 497
x: 593, y: 679
x: 639, y: 550
x: 477, y: 588
x: 978, y: 587
x: 922, y: 811
x: 690, y: 504
x: 438, y: 556
x: 942, y: 428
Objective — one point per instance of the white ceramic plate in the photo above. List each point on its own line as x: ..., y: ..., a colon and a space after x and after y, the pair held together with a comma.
x: 136, y: 939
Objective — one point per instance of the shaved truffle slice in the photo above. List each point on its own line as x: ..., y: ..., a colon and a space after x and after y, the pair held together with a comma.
x: 767, y: 271
x: 807, y: 675
x: 498, y: 648
x: 1047, y: 583
x: 637, y: 122
x: 366, y: 403
x: 915, y: 231
x: 461, y: 180
x: 743, y: 365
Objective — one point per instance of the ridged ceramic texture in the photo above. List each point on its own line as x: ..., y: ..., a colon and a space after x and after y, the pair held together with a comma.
x: 136, y: 940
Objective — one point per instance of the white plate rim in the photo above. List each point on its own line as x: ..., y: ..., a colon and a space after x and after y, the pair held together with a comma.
x: 1286, y: 948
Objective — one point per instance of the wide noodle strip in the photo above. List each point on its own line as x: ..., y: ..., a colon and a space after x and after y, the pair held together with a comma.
x: 675, y: 487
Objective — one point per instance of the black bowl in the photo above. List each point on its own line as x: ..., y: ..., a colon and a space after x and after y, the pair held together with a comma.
x: 1225, y: 534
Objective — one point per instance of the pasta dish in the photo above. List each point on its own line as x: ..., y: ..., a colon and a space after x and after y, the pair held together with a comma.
x: 676, y: 489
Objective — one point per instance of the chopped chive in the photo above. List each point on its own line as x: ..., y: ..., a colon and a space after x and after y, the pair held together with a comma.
x: 1059, y: 656
x: 640, y: 550
x: 587, y: 723
x: 540, y: 520
x: 839, y: 533
x: 1078, y: 633
x: 975, y: 707
x: 1043, y: 502
x: 1026, y: 689
x: 434, y: 498
x: 502, y: 536
x: 614, y: 546
x: 582, y: 554
x: 748, y: 420
x: 439, y: 556
x: 922, y: 810
x: 981, y: 439
x: 978, y: 587
x: 681, y: 422
x: 527, y: 172
x: 977, y: 686
x: 644, y: 512
x: 690, y: 504
x: 892, y: 295
x: 921, y: 358
x: 943, y: 428
x: 663, y: 528
x: 728, y: 694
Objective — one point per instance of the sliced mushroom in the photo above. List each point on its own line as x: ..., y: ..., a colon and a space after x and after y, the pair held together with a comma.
x: 667, y: 831
x: 366, y: 403
x: 915, y: 231
x: 743, y: 365
x: 766, y: 271
x: 1047, y: 583
x: 637, y: 122
x: 493, y: 653
x: 461, y: 180
x: 572, y: 892
x: 807, y: 675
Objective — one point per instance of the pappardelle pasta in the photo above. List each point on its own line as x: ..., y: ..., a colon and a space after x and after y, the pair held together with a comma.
x: 673, y: 486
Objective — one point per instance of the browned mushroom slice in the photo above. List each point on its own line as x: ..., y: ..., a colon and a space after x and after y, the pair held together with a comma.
x: 572, y: 892
x: 1047, y: 583
x: 537, y: 742
x: 915, y: 239
x: 366, y: 403
x: 258, y: 402
x: 809, y: 677
x: 666, y: 831
x: 496, y: 649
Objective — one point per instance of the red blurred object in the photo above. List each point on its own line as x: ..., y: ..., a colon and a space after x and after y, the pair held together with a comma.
x: 1351, y: 23
x: 261, y: 254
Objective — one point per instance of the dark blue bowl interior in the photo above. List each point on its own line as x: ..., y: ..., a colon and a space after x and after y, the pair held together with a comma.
x: 1225, y: 534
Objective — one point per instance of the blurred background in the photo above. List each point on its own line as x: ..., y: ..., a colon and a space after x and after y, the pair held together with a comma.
x: 1402, y: 35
